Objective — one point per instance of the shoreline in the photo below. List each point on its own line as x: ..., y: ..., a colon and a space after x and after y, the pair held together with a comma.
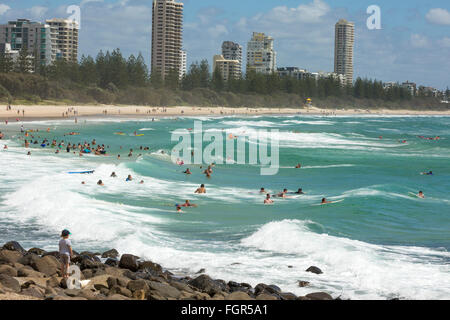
x: 35, y: 274
x: 49, y: 112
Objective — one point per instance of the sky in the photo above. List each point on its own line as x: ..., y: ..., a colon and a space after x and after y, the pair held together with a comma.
x: 413, y: 42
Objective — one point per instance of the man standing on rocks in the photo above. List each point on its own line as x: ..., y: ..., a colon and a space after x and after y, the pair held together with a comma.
x: 65, y: 252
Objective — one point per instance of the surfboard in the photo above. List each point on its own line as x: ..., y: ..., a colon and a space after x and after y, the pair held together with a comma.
x: 81, y: 172
x: 333, y: 202
x: 412, y: 194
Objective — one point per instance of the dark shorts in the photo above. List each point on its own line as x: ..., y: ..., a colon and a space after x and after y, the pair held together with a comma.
x: 65, y: 259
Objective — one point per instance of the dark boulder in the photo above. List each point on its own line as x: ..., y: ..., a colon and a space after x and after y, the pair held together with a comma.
x: 53, y: 254
x: 164, y: 290
x: 28, y: 259
x: 303, y: 284
x: 206, y: 284
x: 48, y: 265
x: 120, y: 290
x: 129, y: 261
x: 8, y: 270
x: 113, y: 253
x: 151, y: 267
x: 9, y: 282
x: 135, y: 285
x: 287, y: 296
x: 202, y: 270
x: 14, y: 246
x: 319, y: 296
x: 314, y: 269
x: 112, y: 262
x: 37, y: 251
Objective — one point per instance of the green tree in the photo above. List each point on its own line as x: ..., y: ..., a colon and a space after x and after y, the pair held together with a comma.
x: 217, y: 82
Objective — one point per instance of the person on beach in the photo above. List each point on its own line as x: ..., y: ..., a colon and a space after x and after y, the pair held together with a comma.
x: 200, y: 190
x: 65, y: 252
x: 187, y: 203
x: 268, y: 200
x: 421, y: 195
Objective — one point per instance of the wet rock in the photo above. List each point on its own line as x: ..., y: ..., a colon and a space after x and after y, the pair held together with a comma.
x: 238, y: 295
x: 200, y: 271
x: 314, y: 269
x: 113, y: 253
x: 9, y: 256
x: 303, y: 284
x: 112, y: 262
x: 48, y: 265
x: 9, y: 282
x: 287, y: 296
x: 8, y: 270
x: 206, y: 284
x: 37, y: 251
x: 319, y: 296
x: 150, y: 267
x: 129, y: 261
x: 14, y: 246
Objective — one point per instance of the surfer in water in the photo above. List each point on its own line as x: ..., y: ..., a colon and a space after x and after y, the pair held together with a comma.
x: 283, y: 194
x: 324, y: 201
x: 200, y: 190
x: 187, y: 171
x: 430, y: 173
x: 421, y: 195
x: 299, y: 191
x: 113, y: 175
x: 298, y: 166
x: 188, y: 204
x: 179, y: 208
x: 129, y: 178
x: 267, y: 200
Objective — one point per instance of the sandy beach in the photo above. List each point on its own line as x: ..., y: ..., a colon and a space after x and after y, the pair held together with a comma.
x: 30, y: 112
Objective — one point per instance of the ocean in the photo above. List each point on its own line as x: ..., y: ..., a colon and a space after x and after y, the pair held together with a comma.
x: 380, y: 242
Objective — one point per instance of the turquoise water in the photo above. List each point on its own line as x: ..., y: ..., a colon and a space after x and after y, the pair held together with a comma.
x: 380, y: 242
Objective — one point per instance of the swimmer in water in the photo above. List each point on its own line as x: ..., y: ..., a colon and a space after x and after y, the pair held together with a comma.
x: 262, y: 190
x: 298, y: 166
x: 188, y: 204
x: 283, y: 194
x: 427, y: 173
x: 267, y: 200
x: 142, y: 182
x: 201, y: 190
x: 300, y: 191
x: 129, y: 178
x: 82, y: 182
x: 179, y: 208
x: 113, y: 175
x: 187, y: 171
x: 421, y: 195
x: 100, y: 183
x: 324, y: 201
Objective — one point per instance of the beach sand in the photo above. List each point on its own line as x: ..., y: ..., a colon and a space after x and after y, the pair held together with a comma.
x: 43, y: 111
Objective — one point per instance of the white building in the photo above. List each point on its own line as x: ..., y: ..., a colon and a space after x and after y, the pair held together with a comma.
x: 232, y: 51
x: 183, y: 65
x: 343, y: 49
x: 229, y: 69
x: 261, y: 56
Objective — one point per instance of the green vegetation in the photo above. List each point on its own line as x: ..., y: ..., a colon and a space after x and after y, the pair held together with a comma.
x: 112, y: 79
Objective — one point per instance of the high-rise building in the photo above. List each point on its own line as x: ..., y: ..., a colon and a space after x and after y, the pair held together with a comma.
x: 343, y: 49
x: 261, y: 57
x: 229, y: 69
x: 36, y: 38
x: 232, y: 51
x: 183, y: 68
x: 66, y: 32
x: 167, y: 36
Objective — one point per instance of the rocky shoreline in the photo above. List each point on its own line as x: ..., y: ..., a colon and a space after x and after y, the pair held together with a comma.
x: 35, y: 275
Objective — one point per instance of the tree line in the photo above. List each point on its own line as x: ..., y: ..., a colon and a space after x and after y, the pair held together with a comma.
x: 111, y: 73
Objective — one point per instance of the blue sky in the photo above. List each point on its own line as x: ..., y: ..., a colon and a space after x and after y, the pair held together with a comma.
x: 413, y: 44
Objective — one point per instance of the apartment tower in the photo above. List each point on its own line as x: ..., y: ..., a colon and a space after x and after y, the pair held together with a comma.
x: 229, y: 69
x: 66, y: 32
x: 343, y: 49
x: 167, y: 36
x: 261, y: 56
x: 232, y: 51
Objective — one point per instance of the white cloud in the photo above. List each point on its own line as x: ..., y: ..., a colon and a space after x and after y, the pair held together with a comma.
x: 308, y: 13
x: 38, y: 12
x: 419, y: 41
x: 4, y: 8
x: 444, y: 42
x: 88, y: 1
x: 438, y: 16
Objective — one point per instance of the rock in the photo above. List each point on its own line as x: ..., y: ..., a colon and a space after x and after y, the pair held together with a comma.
x: 164, y: 290
x: 88, y: 273
x: 303, y: 284
x: 53, y: 282
x: 112, y: 262
x: 136, y: 285
x: 117, y: 297
x: 113, y: 253
x: 29, y: 272
x: 181, y: 286
x: 303, y: 298
x: 48, y: 265
x: 9, y: 282
x: 9, y: 256
x: 319, y: 296
x: 28, y: 259
x: 88, y: 294
x: 37, y: 251
x: 273, y: 288
x: 129, y: 261
x: 111, y: 282
x: 206, y: 284
x: 89, y: 263
x: 265, y: 296
x: 14, y: 246
x: 150, y: 266
x: 115, y: 272
x: 53, y: 254
x: 200, y: 271
x: 314, y: 269
x: 120, y: 290
x: 238, y: 295
x: 139, y: 295
x: 63, y: 283
x: 8, y: 270
x: 201, y: 296
x: 287, y: 296
x: 34, y: 291
x: 72, y: 292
